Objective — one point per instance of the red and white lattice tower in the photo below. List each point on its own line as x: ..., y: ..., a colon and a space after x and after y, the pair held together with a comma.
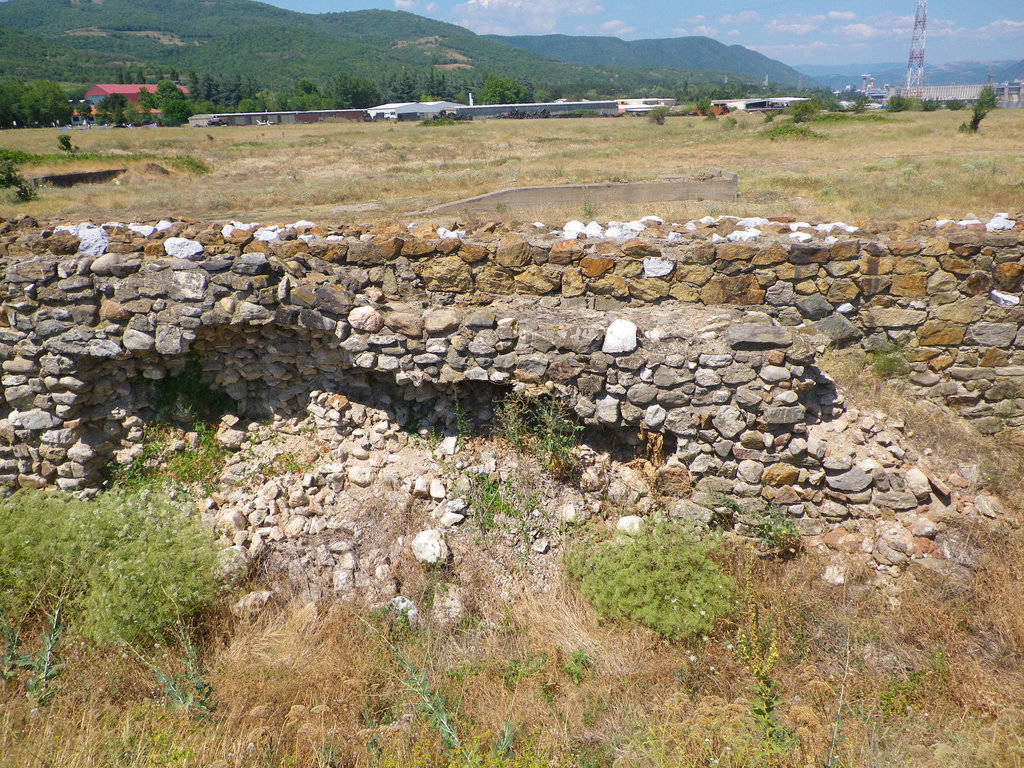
x: 915, y: 65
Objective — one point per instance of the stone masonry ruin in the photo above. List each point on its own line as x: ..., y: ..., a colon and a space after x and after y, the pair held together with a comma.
x: 677, y: 331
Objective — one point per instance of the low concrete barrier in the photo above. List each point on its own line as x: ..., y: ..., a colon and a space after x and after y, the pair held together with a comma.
x: 704, y: 186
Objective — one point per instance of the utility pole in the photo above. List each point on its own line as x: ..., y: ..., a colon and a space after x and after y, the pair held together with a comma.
x: 915, y: 64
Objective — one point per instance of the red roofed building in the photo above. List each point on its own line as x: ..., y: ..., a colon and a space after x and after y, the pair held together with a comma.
x: 97, y: 93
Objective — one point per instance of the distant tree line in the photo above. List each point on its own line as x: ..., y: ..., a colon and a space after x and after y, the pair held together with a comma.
x: 33, y: 104
x: 44, y: 102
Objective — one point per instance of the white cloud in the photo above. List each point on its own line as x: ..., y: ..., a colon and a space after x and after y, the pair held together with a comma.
x: 405, y: 5
x: 794, y: 25
x: 842, y: 15
x: 862, y: 31
x: 520, y: 16
x: 700, y: 29
x: 1002, y: 28
x: 743, y: 17
x: 800, y: 51
x: 617, y: 27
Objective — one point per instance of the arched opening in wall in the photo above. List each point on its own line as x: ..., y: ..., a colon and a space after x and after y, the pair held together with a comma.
x: 180, y: 415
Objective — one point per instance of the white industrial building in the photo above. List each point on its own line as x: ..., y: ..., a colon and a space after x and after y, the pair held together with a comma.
x: 411, y: 110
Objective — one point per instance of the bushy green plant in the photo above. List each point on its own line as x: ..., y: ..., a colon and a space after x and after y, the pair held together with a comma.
x: 662, y: 578
x: 777, y: 532
x: 126, y: 567
x: 955, y: 105
x: 790, y: 130
x: 64, y: 145
x: 899, y: 103
x: 191, y: 164
x: 803, y: 110
x: 658, y: 115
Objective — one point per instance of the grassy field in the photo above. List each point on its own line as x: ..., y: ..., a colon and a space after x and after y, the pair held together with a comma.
x: 900, y: 166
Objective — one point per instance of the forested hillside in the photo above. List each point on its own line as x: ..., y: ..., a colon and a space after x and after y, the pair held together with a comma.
x: 405, y: 55
x: 692, y: 53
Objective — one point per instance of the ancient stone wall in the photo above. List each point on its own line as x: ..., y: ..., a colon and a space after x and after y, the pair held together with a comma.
x: 711, y: 343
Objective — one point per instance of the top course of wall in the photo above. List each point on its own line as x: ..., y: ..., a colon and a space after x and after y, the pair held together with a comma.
x: 945, y: 294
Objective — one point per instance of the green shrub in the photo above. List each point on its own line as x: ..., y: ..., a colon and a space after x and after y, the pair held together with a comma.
x: 662, y: 578
x: 658, y: 115
x: 790, y: 130
x: 777, y: 532
x: 984, y: 104
x: 803, y: 110
x: 955, y: 105
x: 125, y: 567
x: 11, y: 178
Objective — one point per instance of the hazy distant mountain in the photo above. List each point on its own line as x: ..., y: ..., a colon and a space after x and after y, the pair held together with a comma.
x: 1011, y: 73
x: 687, y: 53
x: 838, y: 77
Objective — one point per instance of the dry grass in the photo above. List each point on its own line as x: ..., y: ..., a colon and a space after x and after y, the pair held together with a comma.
x: 907, y: 165
x: 867, y: 675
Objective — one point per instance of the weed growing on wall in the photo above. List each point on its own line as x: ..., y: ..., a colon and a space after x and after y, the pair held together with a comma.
x: 541, y: 426
x: 181, y: 403
x: 125, y: 567
x: 663, y: 578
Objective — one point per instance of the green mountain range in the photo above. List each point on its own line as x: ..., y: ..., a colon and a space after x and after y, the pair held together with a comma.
x: 85, y: 41
x: 700, y: 53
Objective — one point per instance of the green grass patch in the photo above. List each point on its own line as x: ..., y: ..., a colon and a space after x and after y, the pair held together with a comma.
x: 191, y: 164
x: 125, y: 567
x: 789, y: 130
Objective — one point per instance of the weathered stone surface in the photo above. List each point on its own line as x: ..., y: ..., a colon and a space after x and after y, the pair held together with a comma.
x: 514, y: 252
x: 596, y: 266
x: 405, y: 323
x: 440, y: 321
x: 993, y: 334
x: 838, y: 329
x: 936, y: 333
x: 757, y: 336
x: 852, y: 481
x: 565, y: 252
x: 449, y: 274
x: 741, y: 289
x: 538, y: 280
x: 780, y: 474
x: 182, y: 248
x: 892, y: 318
x: 495, y: 280
x: 777, y: 415
x: 729, y: 422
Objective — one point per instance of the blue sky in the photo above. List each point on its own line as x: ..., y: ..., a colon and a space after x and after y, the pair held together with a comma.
x: 796, y: 32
